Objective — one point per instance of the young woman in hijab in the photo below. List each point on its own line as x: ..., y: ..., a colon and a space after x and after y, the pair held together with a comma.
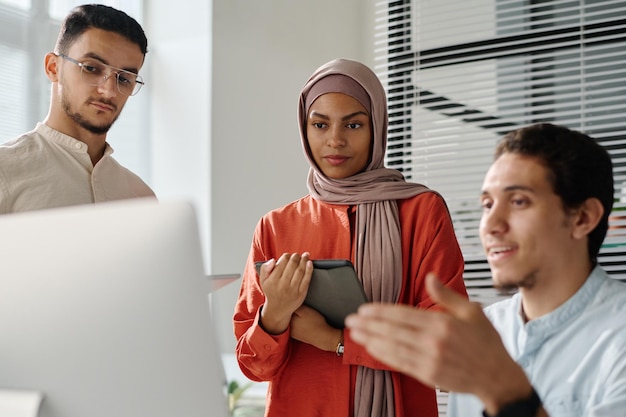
x: 393, y: 231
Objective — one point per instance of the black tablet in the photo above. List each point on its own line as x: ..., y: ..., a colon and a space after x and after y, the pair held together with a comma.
x: 335, y: 290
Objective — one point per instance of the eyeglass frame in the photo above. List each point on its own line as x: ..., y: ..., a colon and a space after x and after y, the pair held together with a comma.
x: 112, y: 70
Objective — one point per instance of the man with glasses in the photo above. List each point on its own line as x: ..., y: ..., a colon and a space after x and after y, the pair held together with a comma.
x: 66, y: 160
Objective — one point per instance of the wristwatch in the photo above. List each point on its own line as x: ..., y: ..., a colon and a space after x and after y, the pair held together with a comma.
x: 527, y: 407
x: 339, y: 350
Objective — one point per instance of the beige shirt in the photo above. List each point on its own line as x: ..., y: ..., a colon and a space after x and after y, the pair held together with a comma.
x: 45, y: 168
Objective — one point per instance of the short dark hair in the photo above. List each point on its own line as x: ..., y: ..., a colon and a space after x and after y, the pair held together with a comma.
x: 579, y: 168
x: 102, y: 17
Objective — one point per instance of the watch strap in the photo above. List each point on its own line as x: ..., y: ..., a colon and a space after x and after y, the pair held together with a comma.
x: 526, y: 407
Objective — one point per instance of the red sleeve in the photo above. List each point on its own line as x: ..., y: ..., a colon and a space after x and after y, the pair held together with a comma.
x: 435, y: 244
x: 355, y: 354
x: 260, y: 355
x: 429, y: 244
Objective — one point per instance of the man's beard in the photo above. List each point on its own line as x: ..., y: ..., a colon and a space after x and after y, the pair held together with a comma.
x: 80, y: 120
x: 509, y: 288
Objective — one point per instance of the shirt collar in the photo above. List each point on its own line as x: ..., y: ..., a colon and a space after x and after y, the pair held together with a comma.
x: 67, y: 142
x: 571, y: 308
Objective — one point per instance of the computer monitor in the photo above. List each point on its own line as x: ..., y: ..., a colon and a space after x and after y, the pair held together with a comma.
x: 104, y: 309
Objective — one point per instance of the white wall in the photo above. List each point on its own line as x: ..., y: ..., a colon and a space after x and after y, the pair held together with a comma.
x: 227, y: 135
x: 179, y: 72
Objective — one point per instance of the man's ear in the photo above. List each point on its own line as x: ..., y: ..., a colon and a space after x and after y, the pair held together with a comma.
x: 51, y: 66
x: 588, y: 215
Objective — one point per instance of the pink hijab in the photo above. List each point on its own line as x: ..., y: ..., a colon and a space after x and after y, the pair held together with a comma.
x: 378, y: 253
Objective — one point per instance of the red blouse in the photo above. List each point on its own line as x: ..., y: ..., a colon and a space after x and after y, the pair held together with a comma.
x: 303, y: 380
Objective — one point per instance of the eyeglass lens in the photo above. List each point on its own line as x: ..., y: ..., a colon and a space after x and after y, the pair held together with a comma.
x: 96, y: 73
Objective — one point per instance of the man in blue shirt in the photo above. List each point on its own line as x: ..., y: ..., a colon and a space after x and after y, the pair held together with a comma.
x: 558, y: 346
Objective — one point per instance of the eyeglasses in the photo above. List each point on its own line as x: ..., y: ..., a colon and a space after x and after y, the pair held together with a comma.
x: 96, y: 73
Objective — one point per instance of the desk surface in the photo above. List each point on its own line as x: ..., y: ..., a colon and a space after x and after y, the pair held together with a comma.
x: 220, y: 280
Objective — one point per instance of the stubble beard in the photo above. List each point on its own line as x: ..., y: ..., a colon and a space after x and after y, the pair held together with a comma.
x: 82, y: 122
x: 509, y: 287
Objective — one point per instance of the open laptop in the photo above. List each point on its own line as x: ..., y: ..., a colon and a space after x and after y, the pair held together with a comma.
x: 104, y: 310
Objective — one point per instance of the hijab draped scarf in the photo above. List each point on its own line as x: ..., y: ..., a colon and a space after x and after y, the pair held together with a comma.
x: 378, y: 249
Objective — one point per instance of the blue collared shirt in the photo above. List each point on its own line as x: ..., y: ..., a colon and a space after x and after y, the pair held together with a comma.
x: 574, y: 356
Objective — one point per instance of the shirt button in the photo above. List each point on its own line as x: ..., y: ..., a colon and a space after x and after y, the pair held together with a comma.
x: 359, y: 359
x: 267, y: 347
x: 78, y: 145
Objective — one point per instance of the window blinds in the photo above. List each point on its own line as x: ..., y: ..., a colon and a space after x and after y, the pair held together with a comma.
x: 13, y: 72
x: 459, y: 75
